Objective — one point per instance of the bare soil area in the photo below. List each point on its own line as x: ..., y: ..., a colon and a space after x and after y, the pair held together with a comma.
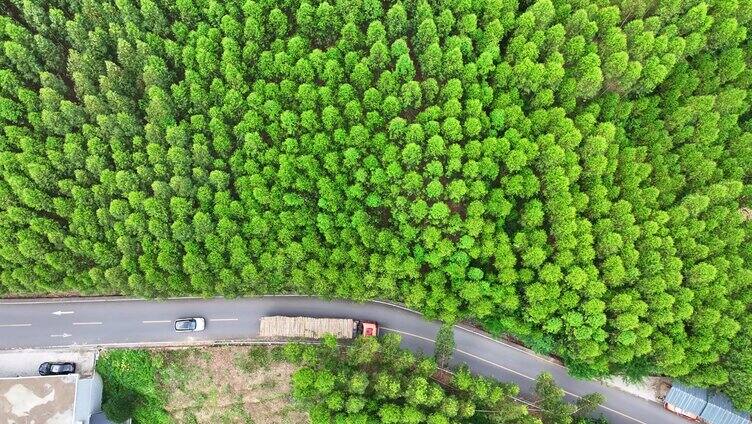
x: 746, y: 213
x: 231, y: 384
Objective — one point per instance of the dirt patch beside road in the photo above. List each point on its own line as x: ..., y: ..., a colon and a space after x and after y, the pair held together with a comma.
x: 231, y: 384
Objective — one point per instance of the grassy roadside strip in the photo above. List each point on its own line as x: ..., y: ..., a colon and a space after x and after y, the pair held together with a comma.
x: 131, y: 388
x: 372, y: 379
x: 223, y: 384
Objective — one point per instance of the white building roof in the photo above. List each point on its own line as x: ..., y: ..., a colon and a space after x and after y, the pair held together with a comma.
x: 41, y: 400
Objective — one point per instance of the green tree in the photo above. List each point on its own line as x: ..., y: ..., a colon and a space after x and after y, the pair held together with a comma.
x: 444, y: 349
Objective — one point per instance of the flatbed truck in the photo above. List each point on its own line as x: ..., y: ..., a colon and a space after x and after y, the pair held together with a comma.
x: 315, y: 328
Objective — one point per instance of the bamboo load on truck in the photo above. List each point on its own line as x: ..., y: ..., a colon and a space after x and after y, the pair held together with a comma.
x: 316, y: 328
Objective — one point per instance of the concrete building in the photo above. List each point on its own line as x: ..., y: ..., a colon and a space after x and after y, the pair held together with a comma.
x: 64, y: 399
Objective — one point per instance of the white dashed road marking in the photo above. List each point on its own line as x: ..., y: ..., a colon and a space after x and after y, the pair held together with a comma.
x: 510, y: 370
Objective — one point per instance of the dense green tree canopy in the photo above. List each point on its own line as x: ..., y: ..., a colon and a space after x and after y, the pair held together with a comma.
x: 570, y: 171
x: 374, y: 381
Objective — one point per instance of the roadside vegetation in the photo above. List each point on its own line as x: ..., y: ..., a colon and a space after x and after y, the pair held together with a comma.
x: 131, y: 386
x: 376, y: 381
x: 572, y: 172
x: 232, y: 384
x: 371, y: 381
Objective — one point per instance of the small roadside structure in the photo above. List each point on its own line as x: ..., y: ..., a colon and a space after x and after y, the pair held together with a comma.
x: 719, y: 410
x: 697, y: 404
x: 686, y: 400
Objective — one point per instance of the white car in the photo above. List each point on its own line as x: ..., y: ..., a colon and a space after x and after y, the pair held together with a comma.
x: 190, y: 324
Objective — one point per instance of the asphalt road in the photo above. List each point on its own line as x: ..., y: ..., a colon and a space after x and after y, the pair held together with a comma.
x: 41, y: 323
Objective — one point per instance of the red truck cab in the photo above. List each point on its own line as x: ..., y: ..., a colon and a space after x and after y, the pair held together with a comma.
x: 368, y: 328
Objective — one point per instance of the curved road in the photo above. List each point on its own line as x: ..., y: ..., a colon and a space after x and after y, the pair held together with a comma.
x: 40, y: 323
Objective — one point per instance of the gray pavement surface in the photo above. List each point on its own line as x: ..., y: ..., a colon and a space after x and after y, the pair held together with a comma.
x: 46, y: 323
x: 25, y: 362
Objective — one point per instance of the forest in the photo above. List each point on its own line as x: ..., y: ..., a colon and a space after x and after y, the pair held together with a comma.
x: 574, y: 173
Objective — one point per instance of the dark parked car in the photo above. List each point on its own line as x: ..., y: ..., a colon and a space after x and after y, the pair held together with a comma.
x: 57, y: 368
x: 190, y: 324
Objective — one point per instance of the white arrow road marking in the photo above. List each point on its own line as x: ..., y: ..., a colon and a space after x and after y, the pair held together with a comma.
x: 58, y: 313
x: 15, y: 325
x: 88, y: 323
x: 64, y: 335
x: 222, y: 319
x: 156, y: 322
